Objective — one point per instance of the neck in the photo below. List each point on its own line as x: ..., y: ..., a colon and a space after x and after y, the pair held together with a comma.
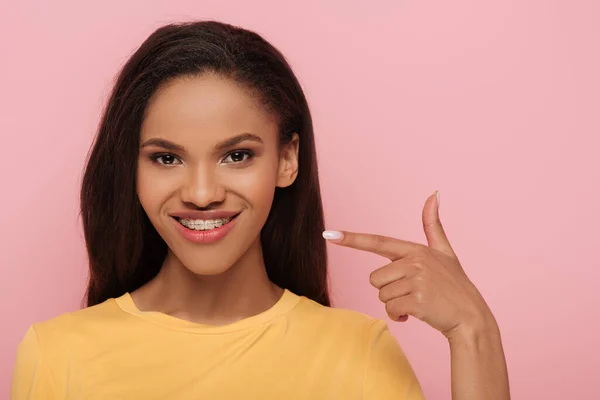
x: 242, y: 291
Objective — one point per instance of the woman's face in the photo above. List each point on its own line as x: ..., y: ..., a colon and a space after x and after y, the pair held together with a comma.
x: 208, y: 166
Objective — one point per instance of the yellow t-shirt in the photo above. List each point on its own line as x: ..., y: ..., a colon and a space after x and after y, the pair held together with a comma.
x: 298, y: 349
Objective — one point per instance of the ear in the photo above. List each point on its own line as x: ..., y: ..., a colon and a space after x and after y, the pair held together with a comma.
x: 288, y: 162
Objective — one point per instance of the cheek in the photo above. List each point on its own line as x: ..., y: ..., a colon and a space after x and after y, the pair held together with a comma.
x: 256, y: 185
x: 152, y: 188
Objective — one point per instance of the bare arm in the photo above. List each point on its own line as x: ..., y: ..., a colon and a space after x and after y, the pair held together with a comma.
x: 478, y: 364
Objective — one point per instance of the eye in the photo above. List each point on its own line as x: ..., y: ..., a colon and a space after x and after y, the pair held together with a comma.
x: 238, y: 156
x: 165, y: 159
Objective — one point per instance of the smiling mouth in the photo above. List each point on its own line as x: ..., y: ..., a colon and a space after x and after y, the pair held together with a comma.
x: 204, y: 225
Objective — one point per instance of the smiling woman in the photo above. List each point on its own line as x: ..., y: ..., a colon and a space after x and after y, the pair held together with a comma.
x: 208, y: 274
x: 209, y: 165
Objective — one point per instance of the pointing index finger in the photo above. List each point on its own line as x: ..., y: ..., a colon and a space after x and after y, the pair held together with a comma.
x: 385, y: 246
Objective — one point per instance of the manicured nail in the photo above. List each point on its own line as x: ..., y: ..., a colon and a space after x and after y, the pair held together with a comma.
x: 333, y: 235
x: 437, y: 193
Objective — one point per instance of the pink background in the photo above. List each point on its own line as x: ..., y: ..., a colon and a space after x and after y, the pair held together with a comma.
x: 496, y: 104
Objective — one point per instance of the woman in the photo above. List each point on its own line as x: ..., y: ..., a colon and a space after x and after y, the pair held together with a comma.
x: 203, y: 219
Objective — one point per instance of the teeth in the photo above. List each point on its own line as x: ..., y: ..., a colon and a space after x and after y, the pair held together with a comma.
x: 202, y: 225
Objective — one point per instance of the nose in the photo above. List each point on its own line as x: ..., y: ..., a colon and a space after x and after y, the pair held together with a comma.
x: 202, y: 187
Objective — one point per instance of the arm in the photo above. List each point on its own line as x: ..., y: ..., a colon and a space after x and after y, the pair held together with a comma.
x: 478, y: 364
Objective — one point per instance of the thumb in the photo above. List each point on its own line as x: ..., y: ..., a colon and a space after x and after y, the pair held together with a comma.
x: 432, y: 225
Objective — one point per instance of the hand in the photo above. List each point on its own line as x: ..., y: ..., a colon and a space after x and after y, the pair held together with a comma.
x: 426, y: 282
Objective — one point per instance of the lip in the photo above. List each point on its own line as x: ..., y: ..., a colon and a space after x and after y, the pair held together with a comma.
x: 205, y: 237
x: 205, y: 215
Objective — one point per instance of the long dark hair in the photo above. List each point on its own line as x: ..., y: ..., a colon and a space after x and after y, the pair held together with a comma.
x: 124, y: 249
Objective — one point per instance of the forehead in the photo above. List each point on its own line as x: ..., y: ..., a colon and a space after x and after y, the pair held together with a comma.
x: 205, y: 108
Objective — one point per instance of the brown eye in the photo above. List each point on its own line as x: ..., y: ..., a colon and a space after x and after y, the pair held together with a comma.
x: 164, y: 159
x: 238, y: 156
x: 167, y: 159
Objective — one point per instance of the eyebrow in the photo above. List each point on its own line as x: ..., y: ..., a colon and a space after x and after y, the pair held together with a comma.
x: 168, y: 145
x: 238, y: 139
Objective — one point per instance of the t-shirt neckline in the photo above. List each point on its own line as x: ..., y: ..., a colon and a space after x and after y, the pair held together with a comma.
x: 286, y: 302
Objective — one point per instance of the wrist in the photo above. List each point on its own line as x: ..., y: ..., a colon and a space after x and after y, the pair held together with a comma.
x: 475, y: 331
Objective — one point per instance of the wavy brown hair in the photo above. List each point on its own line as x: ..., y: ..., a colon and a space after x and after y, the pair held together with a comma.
x: 124, y: 249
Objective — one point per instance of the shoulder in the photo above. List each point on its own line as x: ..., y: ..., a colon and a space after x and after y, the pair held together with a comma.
x: 338, y: 323
x: 56, y: 333
x: 334, y: 314
x: 44, y: 354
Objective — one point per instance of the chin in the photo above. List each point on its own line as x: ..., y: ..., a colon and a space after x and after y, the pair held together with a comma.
x: 209, y: 269
x: 206, y: 263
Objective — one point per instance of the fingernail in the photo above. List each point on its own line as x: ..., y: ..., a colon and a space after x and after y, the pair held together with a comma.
x: 333, y: 235
x: 437, y: 193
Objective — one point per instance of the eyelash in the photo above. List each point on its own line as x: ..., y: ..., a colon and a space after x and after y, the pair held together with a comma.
x: 156, y: 157
x: 245, y: 152
x: 248, y: 153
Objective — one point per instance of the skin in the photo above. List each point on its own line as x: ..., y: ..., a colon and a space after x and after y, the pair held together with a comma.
x: 429, y: 283
x: 226, y: 281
